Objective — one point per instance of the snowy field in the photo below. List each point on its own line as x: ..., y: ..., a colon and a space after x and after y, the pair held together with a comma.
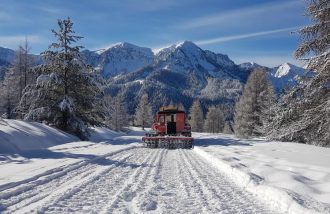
x: 290, y: 176
x: 115, y: 174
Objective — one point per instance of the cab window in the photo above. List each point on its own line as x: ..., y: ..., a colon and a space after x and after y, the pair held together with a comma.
x: 161, y: 119
x: 171, y: 118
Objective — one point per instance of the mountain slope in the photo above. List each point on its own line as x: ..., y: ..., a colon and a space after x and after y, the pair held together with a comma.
x: 118, y: 59
x: 282, y: 77
x: 286, y: 76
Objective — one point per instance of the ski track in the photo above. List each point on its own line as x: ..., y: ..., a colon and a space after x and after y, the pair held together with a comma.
x: 136, y: 180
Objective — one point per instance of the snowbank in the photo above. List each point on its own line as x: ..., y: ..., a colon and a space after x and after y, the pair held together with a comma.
x: 16, y: 135
x: 293, y: 178
x: 29, y: 150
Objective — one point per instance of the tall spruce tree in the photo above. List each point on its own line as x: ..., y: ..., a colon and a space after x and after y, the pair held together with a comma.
x: 251, y: 111
x: 197, y: 117
x: 65, y: 94
x: 303, y: 113
x: 143, y: 114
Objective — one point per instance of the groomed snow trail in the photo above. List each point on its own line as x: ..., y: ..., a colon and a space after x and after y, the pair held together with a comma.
x: 137, y: 180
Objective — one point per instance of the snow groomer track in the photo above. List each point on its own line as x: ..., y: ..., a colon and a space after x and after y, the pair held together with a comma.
x: 135, y: 180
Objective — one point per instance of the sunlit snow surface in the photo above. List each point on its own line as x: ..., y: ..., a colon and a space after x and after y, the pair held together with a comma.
x: 116, y: 174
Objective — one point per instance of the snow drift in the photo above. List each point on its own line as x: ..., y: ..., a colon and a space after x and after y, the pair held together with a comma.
x: 16, y: 135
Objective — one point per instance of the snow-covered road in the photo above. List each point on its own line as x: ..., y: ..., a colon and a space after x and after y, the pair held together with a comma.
x: 133, y: 180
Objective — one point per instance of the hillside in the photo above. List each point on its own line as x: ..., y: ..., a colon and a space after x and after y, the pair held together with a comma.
x: 179, y: 73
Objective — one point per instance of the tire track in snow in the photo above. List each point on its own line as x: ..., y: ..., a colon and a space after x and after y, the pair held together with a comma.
x: 205, y: 196
x: 41, y: 190
x: 92, y: 197
x: 123, y: 199
x: 145, y: 200
x: 226, y: 196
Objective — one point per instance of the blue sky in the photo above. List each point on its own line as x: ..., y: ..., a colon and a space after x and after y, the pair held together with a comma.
x: 246, y: 30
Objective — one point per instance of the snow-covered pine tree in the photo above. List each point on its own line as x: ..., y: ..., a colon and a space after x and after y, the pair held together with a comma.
x: 214, y: 122
x: 66, y: 93
x: 143, y: 113
x: 304, y: 113
x: 197, y: 117
x: 251, y: 110
x: 117, y: 116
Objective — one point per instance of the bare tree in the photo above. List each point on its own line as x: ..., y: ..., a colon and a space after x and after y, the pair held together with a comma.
x: 143, y: 114
x: 117, y: 116
x: 197, y: 117
x: 251, y: 109
x: 214, y: 121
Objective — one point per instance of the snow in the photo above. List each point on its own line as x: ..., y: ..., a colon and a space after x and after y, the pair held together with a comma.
x: 122, y: 58
x: 67, y: 104
x: 40, y: 148
x: 286, y: 75
x: 16, y: 135
x: 43, y: 80
x: 49, y: 171
x: 295, y: 178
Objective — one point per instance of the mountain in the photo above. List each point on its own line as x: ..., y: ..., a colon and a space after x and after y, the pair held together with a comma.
x: 179, y: 73
x: 187, y: 57
x: 7, y: 56
x: 251, y: 66
x: 286, y: 76
x: 282, y: 77
x: 120, y: 58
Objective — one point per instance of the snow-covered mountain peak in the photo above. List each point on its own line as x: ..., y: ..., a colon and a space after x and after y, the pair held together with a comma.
x: 250, y: 65
x: 120, y: 58
x: 286, y: 76
x: 288, y: 69
x: 188, y: 45
x: 125, y: 46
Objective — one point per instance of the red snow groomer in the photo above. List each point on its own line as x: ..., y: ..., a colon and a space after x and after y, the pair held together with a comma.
x: 169, y: 130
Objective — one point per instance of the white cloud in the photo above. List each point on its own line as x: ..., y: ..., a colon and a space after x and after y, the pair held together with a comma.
x: 14, y: 41
x: 147, y: 5
x: 55, y: 11
x: 240, y: 16
x: 244, y: 36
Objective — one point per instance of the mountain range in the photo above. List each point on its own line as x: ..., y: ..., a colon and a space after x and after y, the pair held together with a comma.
x: 179, y: 73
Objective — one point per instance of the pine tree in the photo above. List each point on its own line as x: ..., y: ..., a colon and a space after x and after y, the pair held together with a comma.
x: 66, y: 93
x: 197, y: 117
x: 303, y: 113
x: 214, y: 122
x: 251, y: 111
x: 143, y: 114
